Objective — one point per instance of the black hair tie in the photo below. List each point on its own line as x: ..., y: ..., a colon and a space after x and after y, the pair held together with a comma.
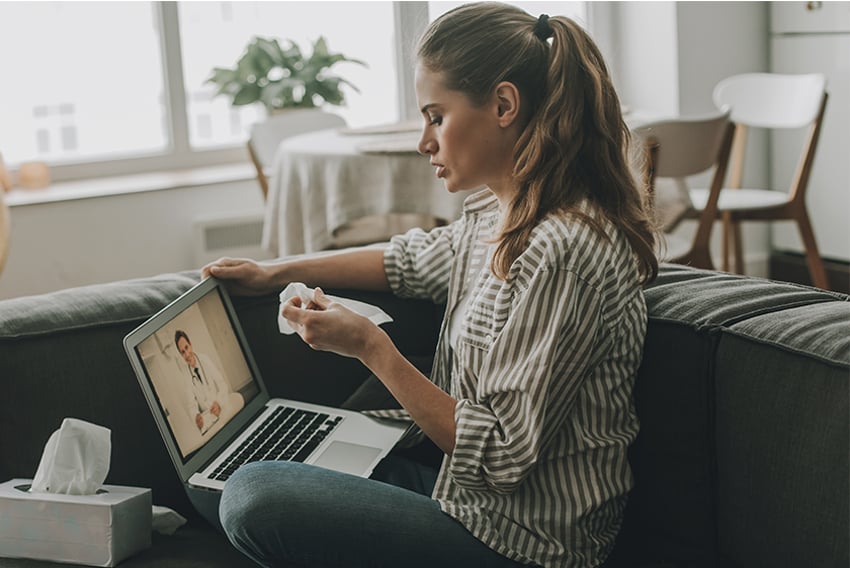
x: 542, y: 29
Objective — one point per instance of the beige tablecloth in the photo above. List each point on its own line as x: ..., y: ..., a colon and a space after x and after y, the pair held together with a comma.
x: 322, y: 180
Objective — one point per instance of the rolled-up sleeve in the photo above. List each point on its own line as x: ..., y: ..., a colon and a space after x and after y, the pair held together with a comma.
x: 527, y: 382
x: 418, y: 263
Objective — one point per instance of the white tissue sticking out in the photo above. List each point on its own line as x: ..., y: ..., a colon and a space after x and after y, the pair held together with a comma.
x: 165, y: 520
x: 75, y: 460
x: 375, y: 314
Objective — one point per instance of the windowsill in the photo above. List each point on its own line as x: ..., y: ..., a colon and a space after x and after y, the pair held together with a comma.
x: 121, y: 185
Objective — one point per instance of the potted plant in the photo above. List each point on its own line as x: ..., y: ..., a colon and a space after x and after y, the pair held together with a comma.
x: 283, y: 78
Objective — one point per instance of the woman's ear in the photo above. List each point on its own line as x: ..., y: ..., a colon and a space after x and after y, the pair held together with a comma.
x: 508, y: 102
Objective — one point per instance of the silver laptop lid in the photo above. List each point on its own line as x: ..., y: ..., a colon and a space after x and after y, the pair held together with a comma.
x: 197, y: 374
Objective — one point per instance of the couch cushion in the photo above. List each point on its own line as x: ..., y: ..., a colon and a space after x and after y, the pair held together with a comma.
x: 671, y: 515
x: 95, y: 305
x: 820, y: 331
x: 705, y: 298
x: 783, y: 438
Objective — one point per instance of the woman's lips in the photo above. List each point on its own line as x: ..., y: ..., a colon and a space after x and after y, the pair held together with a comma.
x: 439, y: 169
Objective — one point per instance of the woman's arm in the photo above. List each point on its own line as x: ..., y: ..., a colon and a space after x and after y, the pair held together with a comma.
x: 428, y: 405
x: 360, y: 268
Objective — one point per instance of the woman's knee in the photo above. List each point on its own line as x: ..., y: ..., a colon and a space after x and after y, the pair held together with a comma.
x: 242, y: 500
x: 264, y: 494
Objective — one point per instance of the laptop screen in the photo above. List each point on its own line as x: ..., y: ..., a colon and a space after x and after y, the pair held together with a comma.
x: 197, y: 370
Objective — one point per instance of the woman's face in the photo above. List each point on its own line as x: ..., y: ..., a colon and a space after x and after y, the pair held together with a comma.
x: 468, y: 146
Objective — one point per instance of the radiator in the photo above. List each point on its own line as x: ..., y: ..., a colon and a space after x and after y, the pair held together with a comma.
x: 232, y: 235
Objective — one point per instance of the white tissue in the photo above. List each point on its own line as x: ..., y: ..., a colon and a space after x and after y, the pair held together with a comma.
x: 165, y: 520
x: 375, y: 314
x: 75, y: 460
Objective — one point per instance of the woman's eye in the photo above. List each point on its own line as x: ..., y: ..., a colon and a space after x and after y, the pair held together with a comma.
x: 435, y: 120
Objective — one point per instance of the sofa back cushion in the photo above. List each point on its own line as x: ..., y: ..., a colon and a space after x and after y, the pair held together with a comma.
x: 673, y: 513
x: 783, y: 438
x: 670, y: 515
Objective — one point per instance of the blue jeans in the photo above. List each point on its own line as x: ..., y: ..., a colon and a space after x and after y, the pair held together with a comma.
x: 291, y: 514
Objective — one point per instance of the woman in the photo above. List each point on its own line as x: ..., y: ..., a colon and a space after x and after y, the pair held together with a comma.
x: 530, y: 397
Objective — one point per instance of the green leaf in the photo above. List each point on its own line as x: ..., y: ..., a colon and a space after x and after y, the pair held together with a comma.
x: 350, y: 84
x: 329, y: 91
x: 278, y: 94
x: 291, y: 55
x: 320, y: 47
x: 248, y: 94
x: 221, y: 76
x: 269, y: 51
x: 262, y: 62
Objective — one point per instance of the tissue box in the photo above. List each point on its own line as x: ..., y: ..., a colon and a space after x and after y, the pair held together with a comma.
x: 96, y: 530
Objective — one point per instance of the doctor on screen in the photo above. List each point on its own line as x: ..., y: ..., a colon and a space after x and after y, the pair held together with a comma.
x: 209, y: 389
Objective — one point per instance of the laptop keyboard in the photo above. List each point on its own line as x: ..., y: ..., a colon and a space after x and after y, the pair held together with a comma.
x: 289, y: 434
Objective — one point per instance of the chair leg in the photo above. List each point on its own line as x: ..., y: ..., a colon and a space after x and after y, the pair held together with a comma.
x: 813, y: 259
x: 725, y: 235
x: 738, y: 242
x: 698, y: 257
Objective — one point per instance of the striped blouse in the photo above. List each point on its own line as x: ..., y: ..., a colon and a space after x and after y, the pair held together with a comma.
x: 543, y: 374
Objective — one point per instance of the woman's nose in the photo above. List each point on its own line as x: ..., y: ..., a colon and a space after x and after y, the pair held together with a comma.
x: 427, y: 145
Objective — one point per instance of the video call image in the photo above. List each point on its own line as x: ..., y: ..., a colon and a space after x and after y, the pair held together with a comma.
x: 198, y: 372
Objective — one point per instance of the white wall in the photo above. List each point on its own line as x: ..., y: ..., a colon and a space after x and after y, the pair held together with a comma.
x: 71, y: 243
x: 716, y: 40
x: 645, y: 62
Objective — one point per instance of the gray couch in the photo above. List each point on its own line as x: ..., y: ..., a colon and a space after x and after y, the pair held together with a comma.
x: 742, y: 457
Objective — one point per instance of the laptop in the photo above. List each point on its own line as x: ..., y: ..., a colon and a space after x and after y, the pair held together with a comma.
x: 212, y: 407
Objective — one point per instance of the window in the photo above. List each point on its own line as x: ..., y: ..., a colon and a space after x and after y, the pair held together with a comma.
x: 119, y: 86
x: 107, y: 88
x: 214, y: 34
x: 83, y: 94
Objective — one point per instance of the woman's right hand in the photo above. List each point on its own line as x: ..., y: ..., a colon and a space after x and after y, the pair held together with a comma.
x: 243, y: 277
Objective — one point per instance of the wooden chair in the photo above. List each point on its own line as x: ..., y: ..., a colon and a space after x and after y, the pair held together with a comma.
x: 770, y: 101
x: 683, y: 147
x: 267, y: 135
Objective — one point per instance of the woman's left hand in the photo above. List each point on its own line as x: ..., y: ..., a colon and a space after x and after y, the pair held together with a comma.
x: 329, y: 326
x: 326, y: 325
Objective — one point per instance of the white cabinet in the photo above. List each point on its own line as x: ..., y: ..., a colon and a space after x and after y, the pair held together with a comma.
x: 809, y: 17
x: 814, y: 37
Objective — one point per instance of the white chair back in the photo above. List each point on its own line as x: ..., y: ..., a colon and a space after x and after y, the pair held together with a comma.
x: 267, y: 135
x: 679, y: 148
x: 772, y: 100
x: 686, y: 146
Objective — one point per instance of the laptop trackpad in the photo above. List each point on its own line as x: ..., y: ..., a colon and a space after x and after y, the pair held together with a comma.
x: 348, y: 458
